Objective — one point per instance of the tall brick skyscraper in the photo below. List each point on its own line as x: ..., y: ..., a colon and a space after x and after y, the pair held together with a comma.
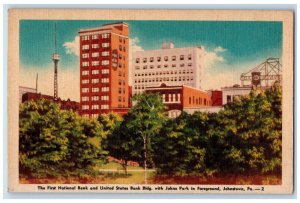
x: 104, y: 69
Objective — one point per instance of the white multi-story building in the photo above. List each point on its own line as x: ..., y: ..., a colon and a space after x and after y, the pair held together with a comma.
x: 168, y: 65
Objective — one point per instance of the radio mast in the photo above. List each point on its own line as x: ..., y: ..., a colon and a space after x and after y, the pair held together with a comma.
x: 55, y: 59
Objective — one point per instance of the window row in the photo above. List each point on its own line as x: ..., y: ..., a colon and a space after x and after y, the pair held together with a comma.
x: 95, y: 107
x: 95, y: 54
x: 95, y: 89
x: 160, y: 79
x: 171, y: 97
x: 94, y: 72
x: 95, y: 46
x: 95, y: 36
x: 198, y: 101
x: 95, y: 63
x: 164, y: 66
x: 165, y: 58
x: 165, y: 73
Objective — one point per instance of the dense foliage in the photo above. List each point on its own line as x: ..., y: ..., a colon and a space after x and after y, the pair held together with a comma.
x: 245, y: 137
x: 54, y: 143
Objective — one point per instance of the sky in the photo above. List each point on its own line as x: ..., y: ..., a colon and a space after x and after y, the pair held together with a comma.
x: 232, y: 47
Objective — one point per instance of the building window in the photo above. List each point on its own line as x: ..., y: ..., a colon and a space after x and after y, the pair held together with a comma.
x: 158, y: 59
x: 181, y: 57
x: 105, y: 53
x: 105, y: 62
x: 85, y: 63
x: 85, y: 90
x: 95, y: 72
x: 95, y: 80
x: 105, y: 106
x: 144, y: 60
x: 85, y: 81
x: 105, y: 35
x: 119, y: 90
x: 95, y: 63
x: 95, y: 37
x: 119, y: 99
x: 159, y: 66
x: 166, y: 58
x: 104, y: 45
x: 85, y: 107
x: 190, y: 100
x: 85, y: 98
x: 120, y: 82
x: 151, y: 59
x: 85, y: 47
x: 182, y: 65
x: 105, y: 89
x: 105, y: 80
x: 137, y: 60
x: 95, y: 54
x: 120, y: 47
x: 86, y: 37
x: 84, y: 56
x: 205, y: 102
x: 228, y: 98
x: 95, y: 46
x: 104, y: 98
x: 95, y: 98
x: 173, y: 58
x: 137, y: 68
x: 95, y: 106
x: 189, y: 64
x: 145, y: 67
x: 85, y: 72
x: 105, y: 71
x: 190, y: 56
x: 173, y: 65
x: 166, y: 65
x: 95, y: 89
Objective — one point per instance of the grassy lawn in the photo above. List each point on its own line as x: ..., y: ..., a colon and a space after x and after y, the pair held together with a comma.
x: 117, y: 174
x: 113, y: 173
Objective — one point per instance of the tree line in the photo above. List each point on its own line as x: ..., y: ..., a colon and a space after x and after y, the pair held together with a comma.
x: 244, y: 137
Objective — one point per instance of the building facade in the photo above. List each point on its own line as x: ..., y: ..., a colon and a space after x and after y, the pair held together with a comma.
x: 23, y: 90
x: 104, y: 69
x: 178, y: 98
x: 64, y: 104
x: 216, y: 97
x: 168, y: 65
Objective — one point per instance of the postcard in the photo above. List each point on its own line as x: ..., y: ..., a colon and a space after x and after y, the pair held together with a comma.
x: 150, y: 101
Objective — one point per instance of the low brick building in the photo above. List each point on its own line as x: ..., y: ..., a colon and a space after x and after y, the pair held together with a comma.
x: 177, y: 98
x: 64, y: 104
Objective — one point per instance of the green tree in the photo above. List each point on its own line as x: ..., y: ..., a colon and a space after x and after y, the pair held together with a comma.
x: 132, y: 139
x: 181, y: 146
x: 55, y: 143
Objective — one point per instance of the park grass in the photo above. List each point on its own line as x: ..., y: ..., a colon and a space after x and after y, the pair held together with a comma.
x: 113, y: 173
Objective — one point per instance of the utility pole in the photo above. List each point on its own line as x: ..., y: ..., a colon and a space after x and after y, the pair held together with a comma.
x: 36, y: 83
x: 145, y: 159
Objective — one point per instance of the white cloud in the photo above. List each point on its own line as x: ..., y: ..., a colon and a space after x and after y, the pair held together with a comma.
x: 72, y: 47
x: 219, y: 49
x: 213, y: 57
x: 68, y: 81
